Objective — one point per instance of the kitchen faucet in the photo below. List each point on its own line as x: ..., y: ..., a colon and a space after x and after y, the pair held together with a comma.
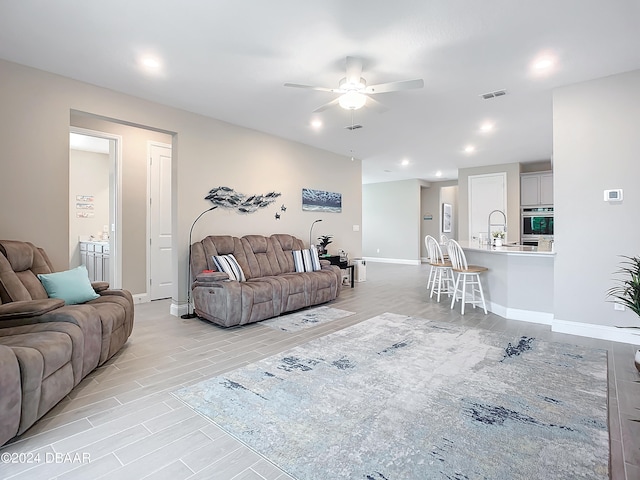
x: 489, y: 224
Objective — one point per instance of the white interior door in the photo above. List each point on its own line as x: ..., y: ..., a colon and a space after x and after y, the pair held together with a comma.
x: 486, y: 193
x: 160, y: 241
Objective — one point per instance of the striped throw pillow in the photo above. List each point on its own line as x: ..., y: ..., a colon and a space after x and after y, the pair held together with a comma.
x: 306, y: 260
x: 229, y: 265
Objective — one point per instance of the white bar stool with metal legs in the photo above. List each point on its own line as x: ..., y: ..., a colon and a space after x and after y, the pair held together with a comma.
x: 469, y: 274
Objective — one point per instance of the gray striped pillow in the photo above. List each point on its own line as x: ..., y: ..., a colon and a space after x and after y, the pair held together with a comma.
x: 306, y: 260
x: 229, y: 265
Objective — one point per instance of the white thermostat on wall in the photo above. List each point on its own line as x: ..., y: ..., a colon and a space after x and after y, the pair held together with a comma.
x: 613, y: 195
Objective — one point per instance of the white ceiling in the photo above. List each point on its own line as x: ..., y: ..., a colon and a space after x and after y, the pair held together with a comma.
x: 229, y: 60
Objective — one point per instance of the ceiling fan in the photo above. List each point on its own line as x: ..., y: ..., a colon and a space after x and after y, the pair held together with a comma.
x: 354, y: 92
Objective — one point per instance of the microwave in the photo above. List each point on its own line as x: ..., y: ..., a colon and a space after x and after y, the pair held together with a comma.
x: 537, y: 222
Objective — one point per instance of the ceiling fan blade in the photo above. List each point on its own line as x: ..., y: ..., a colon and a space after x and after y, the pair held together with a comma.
x: 394, y: 86
x: 322, y: 108
x: 354, y: 70
x: 376, y: 105
x: 310, y: 87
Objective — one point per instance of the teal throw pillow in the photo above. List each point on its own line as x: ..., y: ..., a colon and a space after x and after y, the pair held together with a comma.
x: 72, y: 286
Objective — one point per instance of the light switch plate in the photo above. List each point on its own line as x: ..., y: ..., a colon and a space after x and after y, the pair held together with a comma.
x: 613, y: 195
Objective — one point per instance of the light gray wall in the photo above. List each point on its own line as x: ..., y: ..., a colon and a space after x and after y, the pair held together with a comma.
x: 431, y: 199
x: 596, y: 147
x: 34, y: 134
x: 513, y: 198
x: 391, y: 220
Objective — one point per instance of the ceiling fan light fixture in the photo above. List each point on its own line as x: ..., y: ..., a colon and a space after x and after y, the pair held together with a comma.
x: 356, y: 85
x: 352, y: 100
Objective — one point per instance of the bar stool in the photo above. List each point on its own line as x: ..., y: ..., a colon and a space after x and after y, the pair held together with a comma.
x: 440, y: 276
x: 470, y: 274
x: 432, y: 269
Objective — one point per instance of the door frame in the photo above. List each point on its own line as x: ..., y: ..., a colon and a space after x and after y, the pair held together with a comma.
x: 150, y: 144
x: 115, y: 201
x: 505, y: 197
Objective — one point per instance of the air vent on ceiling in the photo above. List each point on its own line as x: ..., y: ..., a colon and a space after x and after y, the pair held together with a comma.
x: 353, y: 127
x: 497, y: 93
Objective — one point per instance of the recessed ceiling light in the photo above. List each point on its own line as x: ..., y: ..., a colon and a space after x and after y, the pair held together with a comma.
x: 543, y: 64
x: 486, y: 127
x: 405, y: 162
x: 469, y: 149
x: 151, y: 63
x: 438, y: 173
x: 316, y: 123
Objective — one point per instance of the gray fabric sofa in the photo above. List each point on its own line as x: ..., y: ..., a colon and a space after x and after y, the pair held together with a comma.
x: 47, y: 347
x: 272, y: 285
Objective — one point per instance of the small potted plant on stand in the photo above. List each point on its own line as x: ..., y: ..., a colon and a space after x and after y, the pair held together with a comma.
x: 323, y: 241
x: 627, y: 290
x: 498, y: 238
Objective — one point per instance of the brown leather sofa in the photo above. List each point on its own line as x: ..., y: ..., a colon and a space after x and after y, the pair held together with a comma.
x: 272, y: 285
x: 47, y: 347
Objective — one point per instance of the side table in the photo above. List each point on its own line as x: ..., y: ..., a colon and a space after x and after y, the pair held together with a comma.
x: 335, y: 260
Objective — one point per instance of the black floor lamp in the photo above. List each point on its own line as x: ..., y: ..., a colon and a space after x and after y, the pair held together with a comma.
x: 190, y: 314
x: 311, y: 230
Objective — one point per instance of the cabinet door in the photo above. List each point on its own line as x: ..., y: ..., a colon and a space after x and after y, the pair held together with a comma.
x: 546, y: 189
x: 83, y: 254
x: 99, y: 274
x: 529, y: 190
x: 91, y: 265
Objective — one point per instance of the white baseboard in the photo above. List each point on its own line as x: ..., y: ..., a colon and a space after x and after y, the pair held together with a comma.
x: 140, y: 298
x: 402, y: 261
x: 178, y: 309
x: 602, y: 332
x: 543, y: 318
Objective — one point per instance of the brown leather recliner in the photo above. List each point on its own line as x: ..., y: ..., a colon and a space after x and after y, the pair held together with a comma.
x: 53, y: 345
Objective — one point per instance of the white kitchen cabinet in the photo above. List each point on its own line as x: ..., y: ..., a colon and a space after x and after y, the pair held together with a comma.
x: 95, y: 256
x: 536, y: 189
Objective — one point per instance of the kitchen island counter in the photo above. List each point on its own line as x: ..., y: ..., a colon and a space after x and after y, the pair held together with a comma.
x: 519, y: 282
x: 508, y: 249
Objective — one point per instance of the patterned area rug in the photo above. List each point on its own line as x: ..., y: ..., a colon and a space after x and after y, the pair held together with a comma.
x: 401, y: 398
x: 302, y: 319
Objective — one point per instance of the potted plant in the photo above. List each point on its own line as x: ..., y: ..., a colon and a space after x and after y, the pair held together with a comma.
x: 498, y: 237
x: 627, y: 290
x: 323, y: 241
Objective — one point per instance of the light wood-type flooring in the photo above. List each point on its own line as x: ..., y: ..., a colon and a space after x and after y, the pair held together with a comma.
x: 123, y: 418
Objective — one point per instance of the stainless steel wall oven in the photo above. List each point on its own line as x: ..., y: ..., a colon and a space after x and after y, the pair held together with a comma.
x: 537, y: 223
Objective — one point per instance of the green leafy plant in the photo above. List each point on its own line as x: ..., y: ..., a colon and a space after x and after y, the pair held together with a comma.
x: 627, y: 290
x: 497, y: 234
x: 323, y: 241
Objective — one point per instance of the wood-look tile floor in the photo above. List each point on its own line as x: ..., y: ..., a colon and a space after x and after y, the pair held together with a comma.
x: 123, y: 418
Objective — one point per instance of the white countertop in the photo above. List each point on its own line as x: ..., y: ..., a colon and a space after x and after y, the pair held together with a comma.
x: 505, y: 250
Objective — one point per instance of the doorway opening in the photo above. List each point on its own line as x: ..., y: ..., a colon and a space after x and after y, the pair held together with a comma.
x: 95, y: 204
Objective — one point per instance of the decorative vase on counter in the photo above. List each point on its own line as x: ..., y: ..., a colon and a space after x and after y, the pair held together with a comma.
x: 497, y: 242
